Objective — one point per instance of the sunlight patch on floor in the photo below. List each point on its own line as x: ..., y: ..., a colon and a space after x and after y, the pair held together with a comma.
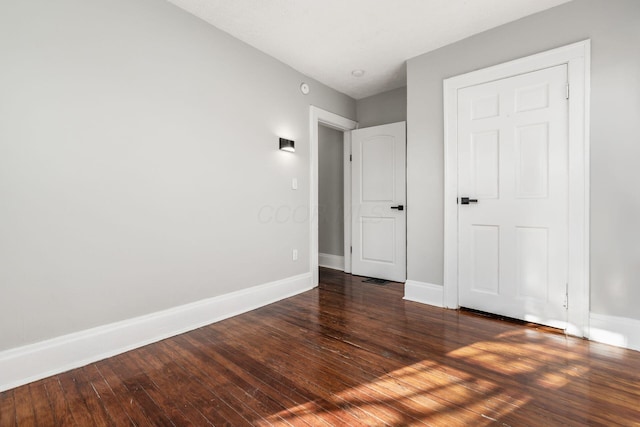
x: 516, y: 355
x: 443, y: 391
x: 430, y: 392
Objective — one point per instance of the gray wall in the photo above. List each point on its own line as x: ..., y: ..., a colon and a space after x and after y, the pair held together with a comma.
x: 614, y: 28
x: 330, y: 191
x: 384, y: 108
x: 139, y: 167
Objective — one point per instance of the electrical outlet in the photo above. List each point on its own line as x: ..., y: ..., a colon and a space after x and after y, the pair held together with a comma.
x: 294, y: 184
x: 295, y: 254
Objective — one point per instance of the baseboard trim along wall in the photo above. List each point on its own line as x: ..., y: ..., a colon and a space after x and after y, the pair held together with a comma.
x: 425, y: 293
x: 613, y: 330
x: 335, y: 262
x: 30, y: 363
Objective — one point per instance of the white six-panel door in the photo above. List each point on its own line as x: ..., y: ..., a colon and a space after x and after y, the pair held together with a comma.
x: 379, y: 202
x: 513, y: 159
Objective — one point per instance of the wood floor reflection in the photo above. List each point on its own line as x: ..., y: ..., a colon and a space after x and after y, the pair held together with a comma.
x: 347, y: 353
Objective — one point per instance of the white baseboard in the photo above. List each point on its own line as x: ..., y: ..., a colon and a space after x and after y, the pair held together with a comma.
x: 618, y: 331
x: 425, y: 293
x: 335, y: 262
x: 613, y: 330
x: 26, y: 364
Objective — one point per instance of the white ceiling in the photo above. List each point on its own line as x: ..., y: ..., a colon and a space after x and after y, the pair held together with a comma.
x: 328, y: 39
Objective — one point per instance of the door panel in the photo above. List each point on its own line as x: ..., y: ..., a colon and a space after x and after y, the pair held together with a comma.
x: 532, y: 167
x: 486, y: 259
x: 513, y: 158
x: 378, y: 184
x: 375, y: 234
x: 532, y: 262
x: 485, y: 164
x: 378, y: 169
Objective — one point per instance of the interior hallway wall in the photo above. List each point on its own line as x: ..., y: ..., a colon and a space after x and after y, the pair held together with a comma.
x: 381, y: 109
x: 330, y: 191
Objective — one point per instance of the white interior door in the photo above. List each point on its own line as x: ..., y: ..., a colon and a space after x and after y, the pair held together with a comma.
x: 513, y: 159
x: 378, y: 188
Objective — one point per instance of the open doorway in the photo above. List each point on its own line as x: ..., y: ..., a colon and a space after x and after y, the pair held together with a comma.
x: 331, y: 202
x: 318, y: 116
x: 374, y: 232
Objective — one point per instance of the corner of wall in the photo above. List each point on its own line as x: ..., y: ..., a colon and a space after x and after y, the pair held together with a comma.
x: 425, y: 293
x: 613, y: 330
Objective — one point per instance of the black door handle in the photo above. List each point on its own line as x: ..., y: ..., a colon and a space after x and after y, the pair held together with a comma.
x: 466, y: 200
x: 399, y: 207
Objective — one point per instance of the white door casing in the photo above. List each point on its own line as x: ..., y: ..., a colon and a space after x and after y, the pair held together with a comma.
x: 512, y: 162
x: 319, y: 116
x: 379, y: 202
x: 576, y: 57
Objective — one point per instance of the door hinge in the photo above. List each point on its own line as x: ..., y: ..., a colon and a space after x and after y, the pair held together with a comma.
x: 351, y: 157
x: 351, y: 249
x: 566, y: 297
x: 567, y: 94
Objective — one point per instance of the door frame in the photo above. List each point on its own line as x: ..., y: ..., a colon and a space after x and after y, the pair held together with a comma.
x: 577, y: 56
x: 318, y: 116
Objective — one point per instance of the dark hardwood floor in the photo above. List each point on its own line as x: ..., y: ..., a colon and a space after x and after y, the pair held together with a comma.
x: 348, y: 353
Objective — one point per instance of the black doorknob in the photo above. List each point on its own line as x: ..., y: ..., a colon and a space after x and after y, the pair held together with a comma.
x: 466, y: 200
x: 399, y: 207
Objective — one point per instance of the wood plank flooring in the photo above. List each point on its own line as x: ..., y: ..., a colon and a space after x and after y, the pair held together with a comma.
x: 345, y: 354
